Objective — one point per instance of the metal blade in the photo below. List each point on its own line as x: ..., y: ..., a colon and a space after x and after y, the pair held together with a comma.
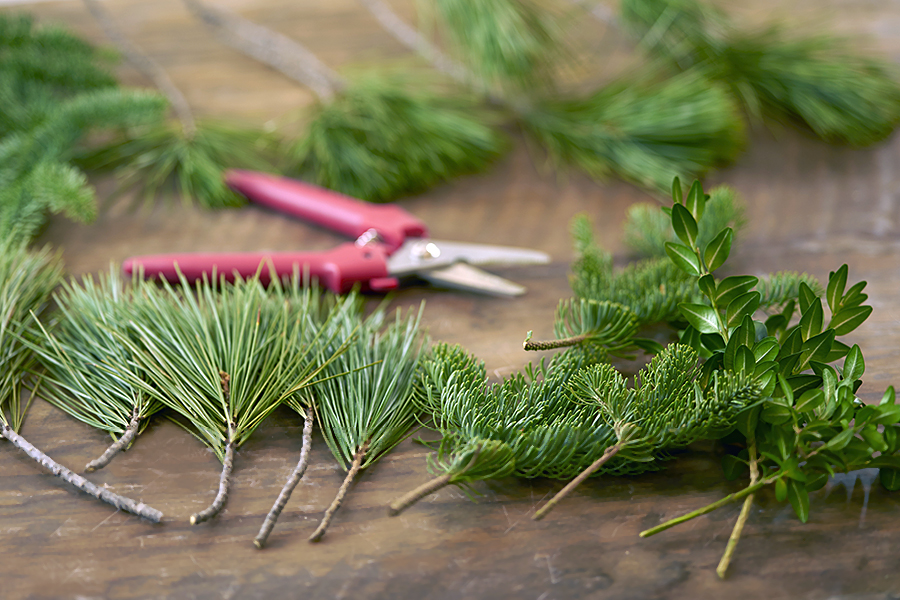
x: 462, y: 276
x: 418, y: 256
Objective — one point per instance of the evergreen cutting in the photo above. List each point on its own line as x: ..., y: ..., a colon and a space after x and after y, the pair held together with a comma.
x: 374, y: 138
x: 190, y: 154
x: 369, y: 409
x: 27, y: 280
x: 224, y: 356
x: 818, y: 81
x: 82, y: 360
x: 54, y: 90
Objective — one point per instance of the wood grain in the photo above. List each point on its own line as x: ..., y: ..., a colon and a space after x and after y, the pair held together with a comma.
x: 811, y: 207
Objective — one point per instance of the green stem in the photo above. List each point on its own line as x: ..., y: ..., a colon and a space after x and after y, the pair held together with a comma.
x: 709, y: 508
x: 742, y: 518
x: 554, y: 344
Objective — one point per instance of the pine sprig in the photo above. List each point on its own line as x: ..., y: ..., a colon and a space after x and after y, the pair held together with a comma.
x: 223, y: 356
x: 366, y: 404
x: 644, y: 131
x: 380, y: 138
x: 82, y: 361
x: 818, y: 81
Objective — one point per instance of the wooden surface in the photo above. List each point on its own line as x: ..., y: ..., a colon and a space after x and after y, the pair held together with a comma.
x: 810, y: 207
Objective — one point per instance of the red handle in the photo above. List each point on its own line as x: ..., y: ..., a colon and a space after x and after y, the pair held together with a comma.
x: 338, y: 269
x: 338, y: 212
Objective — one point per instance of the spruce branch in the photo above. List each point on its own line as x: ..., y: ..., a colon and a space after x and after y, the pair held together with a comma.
x: 120, y: 502
x: 294, y: 478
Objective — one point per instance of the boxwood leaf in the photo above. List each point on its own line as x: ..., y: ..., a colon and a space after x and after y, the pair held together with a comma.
x: 700, y: 316
x: 685, y: 225
x: 799, y: 498
x: 717, y: 250
x: 837, y: 281
x: 848, y: 319
x: 742, y: 306
x: 683, y: 257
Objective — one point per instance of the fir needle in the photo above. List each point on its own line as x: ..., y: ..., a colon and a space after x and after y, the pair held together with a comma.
x: 607, y: 455
x: 319, y: 533
x: 119, y: 445
x: 120, y: 502
x: 293, y: 480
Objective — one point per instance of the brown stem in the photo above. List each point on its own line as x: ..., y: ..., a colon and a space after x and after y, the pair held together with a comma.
x: 146, y: 65
x: 224, y: 481
x: 269, y: 47
x: 742, y: 518
x: 119, y: 445
x: 292, y: 482
x: 610, y: 452
x: 553, y: 344
x: 319, y: 533
x: 120, y: 502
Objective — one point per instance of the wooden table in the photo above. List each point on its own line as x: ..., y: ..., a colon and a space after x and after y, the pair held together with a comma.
x: 810, y: 207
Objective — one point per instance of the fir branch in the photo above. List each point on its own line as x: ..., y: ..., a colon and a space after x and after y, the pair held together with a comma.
x: 777, y: 289
x: 605, y: 326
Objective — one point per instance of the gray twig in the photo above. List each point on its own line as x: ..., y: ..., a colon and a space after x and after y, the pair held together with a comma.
x: 119, y: 445
x: 120, y: 502
x: 224, y: 482
x: 292, y: 482
x: 319, y: 533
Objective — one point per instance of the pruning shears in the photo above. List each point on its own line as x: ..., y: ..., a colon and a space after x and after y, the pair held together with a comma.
x: 390, y: 245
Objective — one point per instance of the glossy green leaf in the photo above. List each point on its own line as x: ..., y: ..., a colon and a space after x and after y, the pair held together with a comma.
x: 889, y: 396
x: 743, y: 360
x: 677, y: 193
x: 684, y: 258
x: 838, y: 442
x: 742, y: 306
x: 799, y: 498
x: 838, y: 351
x: 891, y: 438
x: 848, y: 319
x: 712, y: 341
x: 854, y: 364
x: 733, y: 466
x: 886, y: 414
x: 732, y: 287
x: 707, y: 285
x: 815, y: 348
x: 791, y: 344
x: 718, y: 249
x: 696, y: 200
x: 810, y: 400
x: 685, y: 225
x: 781, y: 489
x: 691, y: 337
x: 776, y: 414
x: 806, y: 297
x: 854, y: 296
x: 700, y: 316
x: 746, y: 420
x: 812, y: 320
x: 802, y: 383
x: 837, y: 281
x: 890, y: 479
x: 872, y: 436
x: 766, y: 349
x: 816, y: 482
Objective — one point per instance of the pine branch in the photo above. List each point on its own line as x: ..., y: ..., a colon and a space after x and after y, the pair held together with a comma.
x: 120, y: 502
x: 294, y: 478
x: 218, y: 502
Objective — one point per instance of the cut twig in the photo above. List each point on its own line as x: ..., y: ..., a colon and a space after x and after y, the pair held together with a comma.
x: 120, y: 502
x: 146, y: 65
x: 554, y: 344
x: 120, y: 444
x: 269, y: 47
x: 224, y: 481
x: 319, y: 533
x: 429, y: 487
x: 292, y: 482
x: 607, y: 455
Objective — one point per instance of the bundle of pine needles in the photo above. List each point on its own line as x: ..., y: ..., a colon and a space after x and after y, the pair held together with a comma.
x: 817, y: 81
x: 84, y: 360
x: 27, y: 280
